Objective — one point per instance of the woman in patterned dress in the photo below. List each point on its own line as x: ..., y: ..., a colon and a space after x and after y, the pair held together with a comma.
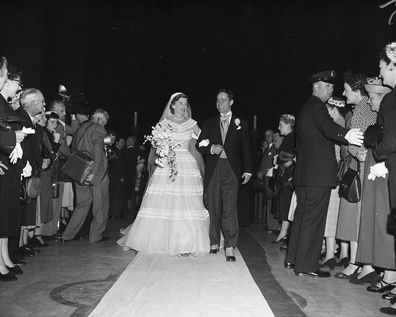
x: 172, y: 218
x: 349, y: 214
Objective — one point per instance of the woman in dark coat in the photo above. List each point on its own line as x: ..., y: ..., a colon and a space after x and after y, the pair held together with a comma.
x: 10, y: 182
x: 285, y: 162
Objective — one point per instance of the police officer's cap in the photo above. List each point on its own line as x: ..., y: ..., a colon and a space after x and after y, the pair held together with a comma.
x: 327, y: 76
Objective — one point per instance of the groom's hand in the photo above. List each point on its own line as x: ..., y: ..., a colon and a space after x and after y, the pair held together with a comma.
x: 216, y: 149
x: 246, y: 178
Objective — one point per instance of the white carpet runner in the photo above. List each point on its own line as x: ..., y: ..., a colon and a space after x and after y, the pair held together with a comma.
x: 161, y: 285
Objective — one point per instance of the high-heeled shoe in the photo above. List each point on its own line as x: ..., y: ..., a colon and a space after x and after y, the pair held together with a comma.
x: 342, y: 275
x: 15, y: 269
x: 280, y: 241
x: 389, y: 296
x: 330, y: 263
x: 9, y: 277
x: 385, y: 287
x: 343, y: 262
x: 371, y: 278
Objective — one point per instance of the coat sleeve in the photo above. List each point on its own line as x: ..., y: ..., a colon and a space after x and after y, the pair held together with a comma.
x: 98, y: 136
x: 7, y: 138
x: 202, y: 137
x: 387, y: 146
x: 327, y: 126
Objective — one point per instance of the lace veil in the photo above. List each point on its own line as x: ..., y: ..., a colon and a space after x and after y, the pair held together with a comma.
x: 192, y: 149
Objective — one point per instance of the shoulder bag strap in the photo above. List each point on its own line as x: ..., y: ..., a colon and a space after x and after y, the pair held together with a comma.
x: 78, y: 142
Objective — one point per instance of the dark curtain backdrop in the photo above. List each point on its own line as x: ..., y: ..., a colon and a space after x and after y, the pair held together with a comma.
x: 128, y: 56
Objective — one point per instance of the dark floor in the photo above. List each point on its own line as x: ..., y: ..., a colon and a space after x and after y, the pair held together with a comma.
x: 69, y: 279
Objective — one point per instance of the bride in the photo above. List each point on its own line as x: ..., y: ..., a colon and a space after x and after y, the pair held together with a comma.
x: 172, y: 218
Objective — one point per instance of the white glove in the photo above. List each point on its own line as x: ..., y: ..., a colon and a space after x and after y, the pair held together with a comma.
x: 355, y: 137
x: 16, y: 153
x: 270, y: 172
x: 28, y: 130
x: 27, y: 170
x: 378, y: 170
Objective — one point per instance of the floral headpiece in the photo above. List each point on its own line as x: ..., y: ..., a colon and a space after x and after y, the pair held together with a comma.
x: 390, y: 51
x: 337, y: 102
x: 374, y: 84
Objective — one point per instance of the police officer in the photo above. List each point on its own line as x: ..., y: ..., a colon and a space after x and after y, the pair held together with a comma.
x: 315, y: 175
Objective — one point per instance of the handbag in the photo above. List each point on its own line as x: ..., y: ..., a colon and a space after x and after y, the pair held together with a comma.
x: 350, y: 186
x: 259, y: 184
x: 79, y: 165
x: 55, y: 189
x: 392, y: 221
x: 33, y: 187
x: 342, y: 167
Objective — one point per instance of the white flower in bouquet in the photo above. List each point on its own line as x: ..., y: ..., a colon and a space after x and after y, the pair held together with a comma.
x: 164, y: 146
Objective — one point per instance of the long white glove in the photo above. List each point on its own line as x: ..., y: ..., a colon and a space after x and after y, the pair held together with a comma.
x: 27, y: 170
x: 378, y: 170
x: 16, y: 153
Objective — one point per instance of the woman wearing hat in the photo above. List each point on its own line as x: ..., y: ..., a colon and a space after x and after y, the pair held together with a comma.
x: 349, y: 213
x: 376, y: 245
x: 334, y: 105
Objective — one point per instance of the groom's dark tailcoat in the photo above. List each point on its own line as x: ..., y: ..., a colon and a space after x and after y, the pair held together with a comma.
x: 315, y: 175
x: 223, y: 175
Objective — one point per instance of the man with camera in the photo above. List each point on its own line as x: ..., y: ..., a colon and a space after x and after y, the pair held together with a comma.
x: 90, y: 139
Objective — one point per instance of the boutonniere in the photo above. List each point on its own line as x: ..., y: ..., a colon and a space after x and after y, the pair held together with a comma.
x: 237, y: 123
x: 204, y: 143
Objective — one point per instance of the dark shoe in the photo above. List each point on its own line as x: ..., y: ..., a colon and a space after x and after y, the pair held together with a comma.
x: 371, y: 278
x: 330, y: 263
x: 230, y: 258
x: 39, y: 244
x: 343, y: 262
x: 317, y: 273
x: 103, y: 239
x: 31, y: 249
x: 19, y: 263
x: 283, y: 246
x: 385, y: 287
x: 15, y: 270
x: 288, y: 265
x: 214, y: 249
x: 63, y: 240
x: 230, y: 255
x: 389, y: 296
x: 9, y: 277
x: 24, y: 252
x: 280, y: 241
x: 388, y: 311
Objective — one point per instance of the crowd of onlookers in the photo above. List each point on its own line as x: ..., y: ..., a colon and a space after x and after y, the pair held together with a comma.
x: 358, y: 236
x: 38, y: 201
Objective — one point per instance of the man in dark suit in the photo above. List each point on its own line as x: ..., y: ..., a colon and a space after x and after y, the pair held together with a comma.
x: 225, y: 141
x: 315, y: 175
x: 131, y: 160
x: 117, y: 179
x: 89, y: 138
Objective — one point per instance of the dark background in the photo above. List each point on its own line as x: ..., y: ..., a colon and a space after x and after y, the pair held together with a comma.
x: 128, y: 56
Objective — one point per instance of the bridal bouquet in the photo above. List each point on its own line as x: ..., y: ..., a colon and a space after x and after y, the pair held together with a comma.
x: 164, y: 146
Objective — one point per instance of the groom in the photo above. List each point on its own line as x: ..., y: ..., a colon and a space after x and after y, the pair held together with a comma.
x: 224, y: 140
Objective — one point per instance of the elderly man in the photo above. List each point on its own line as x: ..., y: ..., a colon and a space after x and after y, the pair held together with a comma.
x: 89, y: 138
x: 50, y: 228
x: 32, y: 109
x: 315, y: 175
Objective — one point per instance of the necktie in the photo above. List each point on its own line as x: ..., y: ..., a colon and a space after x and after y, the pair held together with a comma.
x: 224, y: 122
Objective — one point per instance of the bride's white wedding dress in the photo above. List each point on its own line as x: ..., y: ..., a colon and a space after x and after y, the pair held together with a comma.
x: 172, y: 218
